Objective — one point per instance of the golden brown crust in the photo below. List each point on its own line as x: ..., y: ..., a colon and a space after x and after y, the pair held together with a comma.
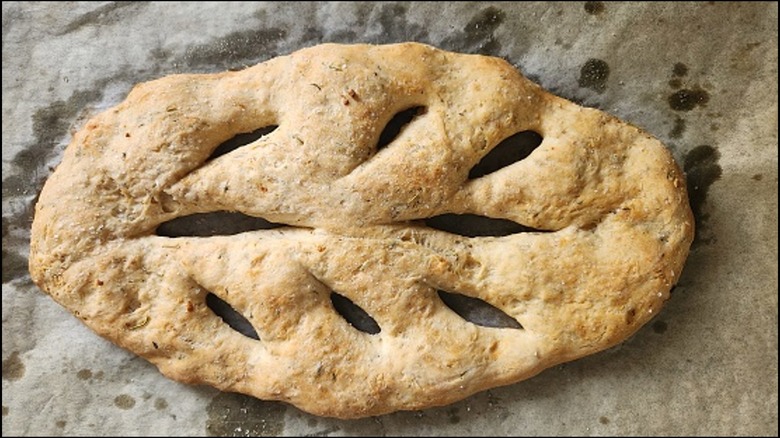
x: 612, y: 193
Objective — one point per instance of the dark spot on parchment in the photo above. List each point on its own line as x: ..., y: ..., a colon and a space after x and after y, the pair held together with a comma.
x: 478, y: 34
x: 13, y: 367
x: 60, y: 423
x: 701, y: 170
x: 688, y: 99
x: 330, y: 430
x: 482, y: 27
x: 160, y: 403
x: 394, y: 26
x: 680, y: 69
x: 312, y: 35
x: 343, y: 36
x: 17, y: 185
x: 100, y: 16
x: 757, y: 177
x: 232, y: 414
x: 594, y: 8
x: 492, y: 399
x: 50, y: 124
x: 311, y: 422
x: 603, y: 420
x: 5, y: 411
x: 124, y: 401
x: 594, y: 74
x: 659, y: 327
x: 678, y: 129
x: 14, y: 265
x: 84, y: 374
x: 675, y: 83
x: 534, y: 78
x: 452, y: 415
x: 236, y: 50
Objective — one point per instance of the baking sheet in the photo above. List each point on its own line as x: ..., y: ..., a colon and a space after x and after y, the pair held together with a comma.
x: 702, y: 77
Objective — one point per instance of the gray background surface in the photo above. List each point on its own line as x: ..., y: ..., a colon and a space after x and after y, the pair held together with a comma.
x: 702, y: 77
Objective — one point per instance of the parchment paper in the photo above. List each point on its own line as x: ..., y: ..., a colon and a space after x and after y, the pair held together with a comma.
x: 700, y: 76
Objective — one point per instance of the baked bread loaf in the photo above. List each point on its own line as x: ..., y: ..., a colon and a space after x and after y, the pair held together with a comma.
x: 590, y: 231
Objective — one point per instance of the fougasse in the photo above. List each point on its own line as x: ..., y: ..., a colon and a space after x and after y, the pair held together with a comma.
x: 406, y: 266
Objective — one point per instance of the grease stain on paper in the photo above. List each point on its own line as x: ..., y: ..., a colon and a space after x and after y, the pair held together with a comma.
x: 124, y: 401
x: 688, y: 98
x: 701, y: 170
x: 231, y: 414
x: 594, y: 74
x: 594, y: 8
x: 13, y: 367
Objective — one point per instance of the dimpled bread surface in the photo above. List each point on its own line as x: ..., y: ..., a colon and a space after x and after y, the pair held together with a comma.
x: 610, y: 198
